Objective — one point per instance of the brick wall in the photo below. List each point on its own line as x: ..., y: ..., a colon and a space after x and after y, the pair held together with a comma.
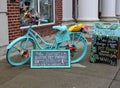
x: 58, y: 11
x: 14, y: 20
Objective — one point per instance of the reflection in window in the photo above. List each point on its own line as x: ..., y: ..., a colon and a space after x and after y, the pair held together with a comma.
x: 36, y: 12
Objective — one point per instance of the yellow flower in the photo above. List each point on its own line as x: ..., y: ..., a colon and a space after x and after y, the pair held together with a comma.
x: 76, y: 28
x: 73, y: 28
x: 80, y: 25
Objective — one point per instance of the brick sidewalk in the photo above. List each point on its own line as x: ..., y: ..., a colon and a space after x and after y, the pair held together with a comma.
x: 96, y: 75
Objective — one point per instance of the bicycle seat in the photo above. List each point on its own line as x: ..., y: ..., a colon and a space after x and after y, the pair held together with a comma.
x: 61, y: 28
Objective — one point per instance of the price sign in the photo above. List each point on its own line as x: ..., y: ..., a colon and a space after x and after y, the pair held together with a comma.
x: 50, y: 59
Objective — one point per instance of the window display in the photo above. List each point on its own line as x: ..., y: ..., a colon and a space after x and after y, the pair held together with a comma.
x: 36, y: 12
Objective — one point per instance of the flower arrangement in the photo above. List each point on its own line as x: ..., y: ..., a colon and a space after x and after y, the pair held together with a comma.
x: 78, y: 28
x: 28, y: 19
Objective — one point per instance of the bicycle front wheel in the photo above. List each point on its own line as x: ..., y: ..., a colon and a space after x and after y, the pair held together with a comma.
x: 19, y: 53
x: 77, y: 46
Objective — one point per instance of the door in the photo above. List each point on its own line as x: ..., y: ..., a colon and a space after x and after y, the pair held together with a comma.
x: 3, y: 23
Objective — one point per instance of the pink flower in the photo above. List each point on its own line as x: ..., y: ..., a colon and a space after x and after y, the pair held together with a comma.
x: 85, y: 28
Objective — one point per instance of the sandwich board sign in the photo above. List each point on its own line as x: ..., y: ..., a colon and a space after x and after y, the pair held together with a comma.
x: 105, y: 43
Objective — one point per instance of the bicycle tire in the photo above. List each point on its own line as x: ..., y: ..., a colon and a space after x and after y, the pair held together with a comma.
x: 14, y: 53
x: 80, y: 46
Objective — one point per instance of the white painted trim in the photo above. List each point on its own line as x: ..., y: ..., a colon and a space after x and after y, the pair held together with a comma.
x: 88, y: 19
x: 22, y: 28
x: 108, y: 16
x: 68, y: 19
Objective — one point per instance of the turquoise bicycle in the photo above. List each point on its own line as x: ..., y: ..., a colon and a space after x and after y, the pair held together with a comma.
x: 18, y: 51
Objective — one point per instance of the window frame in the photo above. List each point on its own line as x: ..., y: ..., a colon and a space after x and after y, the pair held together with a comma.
x: 46, y: 24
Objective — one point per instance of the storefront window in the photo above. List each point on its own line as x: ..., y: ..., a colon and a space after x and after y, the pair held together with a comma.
x: 37, y: 12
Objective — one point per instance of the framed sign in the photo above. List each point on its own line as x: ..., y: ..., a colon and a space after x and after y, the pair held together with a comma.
x: 50, y: 59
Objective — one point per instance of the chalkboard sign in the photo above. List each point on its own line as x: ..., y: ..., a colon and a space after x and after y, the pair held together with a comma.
x: 50, y: 59
x: 105, y: 44
x: 104, y: 49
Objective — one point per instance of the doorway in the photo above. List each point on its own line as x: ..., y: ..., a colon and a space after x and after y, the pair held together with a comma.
x: 75, y: 10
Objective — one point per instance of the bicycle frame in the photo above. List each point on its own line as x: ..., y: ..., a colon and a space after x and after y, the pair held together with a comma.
x: 31, y: 34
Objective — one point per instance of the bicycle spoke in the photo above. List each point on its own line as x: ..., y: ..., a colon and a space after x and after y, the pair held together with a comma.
x: 14, y: 48
x: 73, y: 39
x: 77, y: 46
x: 19, y: 53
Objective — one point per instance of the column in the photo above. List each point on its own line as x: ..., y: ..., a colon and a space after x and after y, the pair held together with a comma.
x: 88, y: 10
x: 108, y: 10
x: 118, y: 9
x: 67, y: 11
x: 3, y: 23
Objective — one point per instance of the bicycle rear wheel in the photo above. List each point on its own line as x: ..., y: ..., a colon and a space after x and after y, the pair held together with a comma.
x: 77, y: 46
x: 19, y: 53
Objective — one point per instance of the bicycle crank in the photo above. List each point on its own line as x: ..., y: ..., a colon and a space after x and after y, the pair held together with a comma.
x: 24, y: 53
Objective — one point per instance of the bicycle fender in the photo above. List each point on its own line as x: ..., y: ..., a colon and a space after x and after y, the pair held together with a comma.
x: 14, y: 41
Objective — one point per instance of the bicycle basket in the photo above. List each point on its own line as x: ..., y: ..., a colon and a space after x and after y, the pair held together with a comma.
x: 62, y: 37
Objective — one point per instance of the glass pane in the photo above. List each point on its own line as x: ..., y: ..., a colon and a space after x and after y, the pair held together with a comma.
x: 36, y: 12
x: 46, y: 11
